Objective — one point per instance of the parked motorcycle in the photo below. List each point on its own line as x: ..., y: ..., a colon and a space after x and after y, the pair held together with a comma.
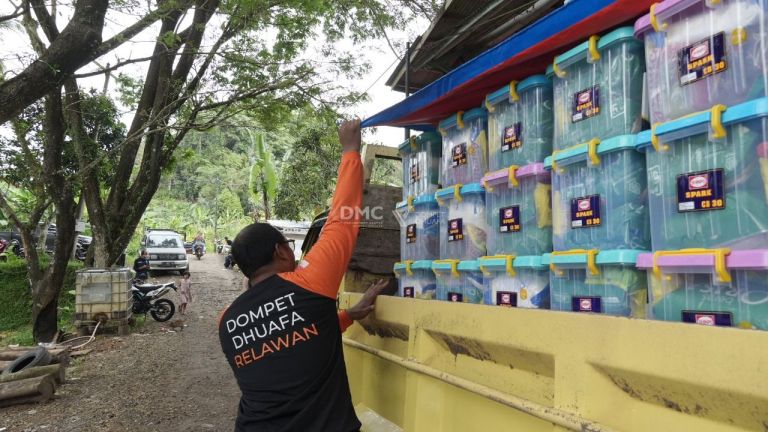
x: 199, y: 250
x: 148, y: 298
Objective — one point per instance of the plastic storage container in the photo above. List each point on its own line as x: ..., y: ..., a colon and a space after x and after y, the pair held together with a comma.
x: 421, y: 157
x: 458, y: 281
x: 465, y: 147
x: 415, y: 279
x: 599, y: 196
x: 419, y: 228
x: 605, y: 282
x: 704, y: 53
x: 463, y: 226
x: 518, y: 204
x: 598, y: 89
x: 102, y: 295
x: 715, y: 287
x: 708, y: 181
x: 520, y: 121
x: 515, y: 281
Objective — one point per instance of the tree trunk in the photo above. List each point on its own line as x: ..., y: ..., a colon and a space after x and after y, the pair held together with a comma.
x: 45, y: 317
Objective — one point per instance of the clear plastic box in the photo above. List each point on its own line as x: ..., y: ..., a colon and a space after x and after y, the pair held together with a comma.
x: 419, y: 228
x: 421, y: 156
x: 463, y: 226
x: 602, y: 97
x: 415, y: 279
x: 518, y: 204
x: 515, y: 281
x: 465, y: 147
x: 605, y: 282
x: 599, y: 196
x: 714, y: 287
x: 520, y: 123
x: 705, y: 53
x: 707, y: 188
x: 458, y: 281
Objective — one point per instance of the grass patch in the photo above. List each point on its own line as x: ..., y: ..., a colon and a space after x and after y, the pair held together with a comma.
x: 16, y: 302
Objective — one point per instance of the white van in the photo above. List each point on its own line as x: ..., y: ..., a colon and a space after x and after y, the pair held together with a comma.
x: 166, y: 250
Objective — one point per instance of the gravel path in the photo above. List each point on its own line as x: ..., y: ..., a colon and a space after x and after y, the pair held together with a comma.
x: 152, y: 380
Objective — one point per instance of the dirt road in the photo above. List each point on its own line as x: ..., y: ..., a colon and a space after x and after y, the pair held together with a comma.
x: 152, y: 380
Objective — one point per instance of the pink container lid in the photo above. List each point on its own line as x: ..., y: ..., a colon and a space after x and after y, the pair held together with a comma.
x: 502, y: 175
x: 663, y: 9
x: 762, y: 150
x: 754, y: 259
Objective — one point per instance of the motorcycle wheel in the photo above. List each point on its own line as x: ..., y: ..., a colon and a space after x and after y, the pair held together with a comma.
x: 163, y: 310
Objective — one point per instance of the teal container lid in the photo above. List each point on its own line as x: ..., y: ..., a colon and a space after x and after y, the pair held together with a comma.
x: 606, y: 257
x: 579, y: 153
x: 531, y: 82
x: 700, y: 122
x: 428, y: 200
x: 468, y: 189
x: 472, y: 265
x: 446, y: 265
x: 533, y: 262
x: 415, y: 265
x: 579, y: 52
x: 425, y: 137
x: 473, y: 114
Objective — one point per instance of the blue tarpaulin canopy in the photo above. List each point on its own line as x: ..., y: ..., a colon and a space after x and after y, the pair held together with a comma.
x: 525, y: 53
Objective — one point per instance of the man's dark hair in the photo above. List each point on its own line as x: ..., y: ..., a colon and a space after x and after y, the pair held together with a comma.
x: 143, y: 251
x: 254, y: 247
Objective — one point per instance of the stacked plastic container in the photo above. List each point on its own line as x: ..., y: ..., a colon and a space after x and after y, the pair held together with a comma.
x: 458, y: 281
x: 707, y: 161
x: 515, y: 282
x: 419, y: 228
x: 465, y: 147
x: 416, y: 279
x: 421, y: 156
x: 600, y: 221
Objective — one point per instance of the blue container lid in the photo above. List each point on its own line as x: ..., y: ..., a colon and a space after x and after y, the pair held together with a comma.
x: 499, y: 263
x: 400, y: 266
x: 473, y: 114
x: 699, y: 123
x: 579, y: 52
x: 472, y: 265
x: 405, y: 146
x: 427, y: 200
x: 531, y: 82
x: 468, y: 189
x: 579, y: 152
x: 605, y: 257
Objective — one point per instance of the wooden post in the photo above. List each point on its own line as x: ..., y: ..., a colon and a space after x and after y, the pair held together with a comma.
x: 55, y: 370
x: 37, y: 389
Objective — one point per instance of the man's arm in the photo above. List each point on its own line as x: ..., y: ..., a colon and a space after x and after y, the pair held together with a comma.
x: 324, y: 266
x: 363, y: 307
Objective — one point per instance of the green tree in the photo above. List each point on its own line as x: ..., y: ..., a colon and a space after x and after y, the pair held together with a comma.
x: 263, y: 179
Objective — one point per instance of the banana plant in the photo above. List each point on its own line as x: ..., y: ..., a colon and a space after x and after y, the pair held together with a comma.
x: 263, y: 179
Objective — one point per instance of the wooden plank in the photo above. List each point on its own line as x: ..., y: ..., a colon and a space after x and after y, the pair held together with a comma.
x: 55, y: 370
x: 37, y: 389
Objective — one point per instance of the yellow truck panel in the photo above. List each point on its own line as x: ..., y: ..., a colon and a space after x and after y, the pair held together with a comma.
x: 439, y: 366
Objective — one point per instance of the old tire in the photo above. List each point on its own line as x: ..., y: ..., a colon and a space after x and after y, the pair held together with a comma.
x: 163, y: 310
x: 37, y: 357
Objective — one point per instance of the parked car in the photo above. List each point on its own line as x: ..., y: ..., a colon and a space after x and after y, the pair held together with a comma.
x: 166, y: 250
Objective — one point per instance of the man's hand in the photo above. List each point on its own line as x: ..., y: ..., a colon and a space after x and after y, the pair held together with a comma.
x: 366, y: 304
x: 349, y: 135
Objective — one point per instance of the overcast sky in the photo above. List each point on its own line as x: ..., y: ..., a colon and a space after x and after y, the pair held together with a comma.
x: 16, y: 53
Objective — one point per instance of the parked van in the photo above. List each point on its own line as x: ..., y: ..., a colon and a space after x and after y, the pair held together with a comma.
x: 166, y: 250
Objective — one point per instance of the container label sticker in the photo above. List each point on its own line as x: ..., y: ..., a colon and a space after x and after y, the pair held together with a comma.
x: 509, y: 219
x: 410, y: 233
x: 585, y: 212
x: 702, y: 59
x: 586, y: 304
x: 455, y: 230
x: 455, y: 297
x: 724, y: 319
x: 506, y: 298
x: 415, y: 173
x: 586, y: 104
x: 513, y: 137
x: 459, y: 155
x: 408, y: 292
x: 700, y: 191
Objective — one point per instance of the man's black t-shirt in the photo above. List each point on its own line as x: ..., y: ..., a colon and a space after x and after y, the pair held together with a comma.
x: 284, y: 344
x: 139, y: 263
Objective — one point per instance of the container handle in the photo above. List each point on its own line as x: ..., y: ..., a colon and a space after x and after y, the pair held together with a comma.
x: 591, y: 260
x: 592, y: 151
x: 411, y: 207
x: 657, y: 26
x: 723, y: 275
x: 508, y: 266
x: 408, y: 269
x: 512, y: 176
x: 655, y: 140
x: 454, y: 267
x: 489, y: 106
x: 414, y: 146
x: 457, y: 192
x: 556, y: 69
x: 716, y: 121
x: 513, y: 96
x: 488, y: 187
x: 460, y: 120
x: 594, y: 54
x: 556, y: 169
